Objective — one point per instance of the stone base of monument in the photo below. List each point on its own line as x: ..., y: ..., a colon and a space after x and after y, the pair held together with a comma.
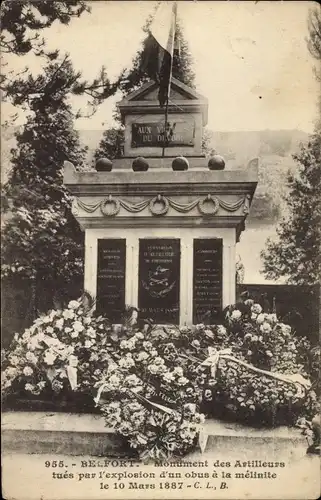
x: 86, y: 434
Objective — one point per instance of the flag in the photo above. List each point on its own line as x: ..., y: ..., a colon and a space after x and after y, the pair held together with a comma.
x: 161, y: 48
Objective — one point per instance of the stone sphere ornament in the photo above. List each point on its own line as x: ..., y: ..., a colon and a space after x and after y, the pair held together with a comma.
x: 216, y: 162
x: 180, y: 163
x: 140, y: 164
x: 104, y: 165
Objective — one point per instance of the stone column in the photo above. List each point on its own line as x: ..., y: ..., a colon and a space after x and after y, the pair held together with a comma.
x: 90, y: 274
x: 228, y: 273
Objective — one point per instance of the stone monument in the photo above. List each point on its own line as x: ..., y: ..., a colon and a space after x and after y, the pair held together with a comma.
x: 162, y: 240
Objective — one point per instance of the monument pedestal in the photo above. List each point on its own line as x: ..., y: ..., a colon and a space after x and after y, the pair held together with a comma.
x: 161, y: 241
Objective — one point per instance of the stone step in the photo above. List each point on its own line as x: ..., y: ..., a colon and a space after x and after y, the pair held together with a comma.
x: 86, y: 434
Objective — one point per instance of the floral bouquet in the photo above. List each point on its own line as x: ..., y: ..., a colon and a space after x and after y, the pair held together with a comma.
x: 62, y: 351
x: 147, y: 398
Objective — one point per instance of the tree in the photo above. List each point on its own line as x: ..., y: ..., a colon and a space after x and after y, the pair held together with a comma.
x: 296, y: 252
x: 111, y: 144
x: 41, y: 240
x: 314, y: 40
x: 22, y: 22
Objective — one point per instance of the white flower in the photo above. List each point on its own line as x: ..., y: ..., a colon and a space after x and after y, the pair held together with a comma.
x: 153, y: 369
x: 68, y: 314
x: 236, y: 315
x: 112, y: 367
x: 46, y: 319
x: 73, y: 304
x: 78, y: 326
x: 49, y: 329
x: 158, y: 361
x: 114, y: 381
x: 132, y: 380
x: 168, y: 377
x: 87, y: 320
x: 221, y: 330
x: 88, y: 343
x: 126, y: 362
x: 285, y: 329
x: 142, y: 356
x: 182, y: 381
x: 49, y: 358
x: 265, y: 328
x: 256, y: 308
x: 14, y: 360
x: 139, y: 335
x: 67, y: 329
x: 260, y: 319
x: 41, y: 385
x: 123, y: 344
x: 26, y: 334
x: 178, y: 371
x: 253, y: 316
x: 131, y: 344
x: 91, y: 332
x: 31, y: 357
x: 74, y: 334
x: 27, y: 371
x: 271, y: 318
x: 11, y: 371
x: 59, y: 323
x: 29, y: 387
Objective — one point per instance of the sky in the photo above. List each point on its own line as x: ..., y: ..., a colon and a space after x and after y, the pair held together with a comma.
x: 250, y: 58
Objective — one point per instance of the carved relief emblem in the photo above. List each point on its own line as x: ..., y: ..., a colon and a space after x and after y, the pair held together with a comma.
x: 159, y: 284
x: 209, y: 205
x: 110, y: 206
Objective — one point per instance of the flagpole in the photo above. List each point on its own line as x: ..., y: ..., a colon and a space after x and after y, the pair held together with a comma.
x: 169, y: 80
x: 165, y: 126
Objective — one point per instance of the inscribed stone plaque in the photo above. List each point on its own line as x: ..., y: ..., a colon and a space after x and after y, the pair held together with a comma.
x: 207, y: 280
x: 111, y: 278
x: 159, y: 279
x: 152, y: 134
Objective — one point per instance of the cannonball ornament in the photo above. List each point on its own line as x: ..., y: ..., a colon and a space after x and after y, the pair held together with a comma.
x: 140, y: 164
x: 104, y: 165
x: 216, y: 162
x: 180, y: 163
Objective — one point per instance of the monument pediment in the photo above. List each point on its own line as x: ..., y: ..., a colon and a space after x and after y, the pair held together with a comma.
x: 149, y: 91
x: 182, y: 99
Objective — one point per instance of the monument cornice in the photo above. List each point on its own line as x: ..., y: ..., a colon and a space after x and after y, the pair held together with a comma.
x: 143, y: 222
x: 129, y: 183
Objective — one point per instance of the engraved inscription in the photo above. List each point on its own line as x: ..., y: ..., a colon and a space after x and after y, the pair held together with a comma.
x: 111, y: 278
x: 207, y: 280
x: 152, y: 134
x: 159, y: 280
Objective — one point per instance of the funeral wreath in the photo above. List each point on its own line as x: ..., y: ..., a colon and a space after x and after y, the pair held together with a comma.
x: 154, y: 385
